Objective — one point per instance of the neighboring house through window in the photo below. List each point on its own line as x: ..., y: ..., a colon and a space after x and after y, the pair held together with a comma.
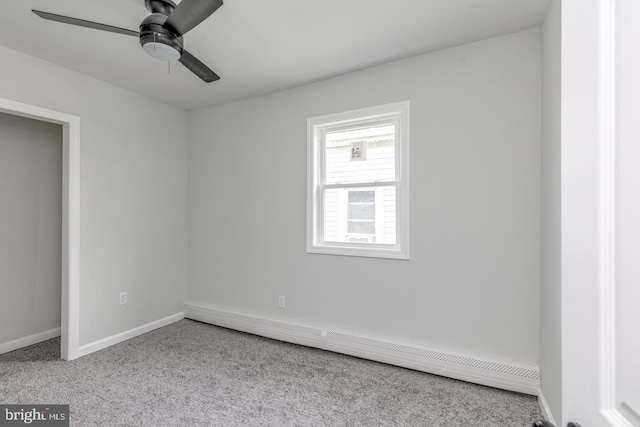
x: 361, y: 216
x: 358, y: 182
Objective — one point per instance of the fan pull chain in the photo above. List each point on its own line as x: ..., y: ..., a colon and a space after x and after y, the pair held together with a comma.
x: 154, y: 49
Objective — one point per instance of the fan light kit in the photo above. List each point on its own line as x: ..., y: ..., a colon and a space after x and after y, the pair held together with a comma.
x: 161, y: 32
x: 161, y: 51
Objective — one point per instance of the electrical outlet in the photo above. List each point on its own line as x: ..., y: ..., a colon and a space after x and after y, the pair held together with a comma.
x: 281, y: 302
x: 123, y: 298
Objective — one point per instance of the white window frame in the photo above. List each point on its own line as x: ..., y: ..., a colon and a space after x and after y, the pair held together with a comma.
x: 316, y: 127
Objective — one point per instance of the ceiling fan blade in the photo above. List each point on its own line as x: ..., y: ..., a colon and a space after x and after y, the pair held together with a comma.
x: 198, y: 68
x: 83, y: 23
x: 190, y: 13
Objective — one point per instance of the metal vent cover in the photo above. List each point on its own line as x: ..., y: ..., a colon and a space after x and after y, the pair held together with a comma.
x: 517, y: 371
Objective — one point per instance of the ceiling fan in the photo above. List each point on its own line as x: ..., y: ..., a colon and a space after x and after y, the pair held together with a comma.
x: 161, y: 32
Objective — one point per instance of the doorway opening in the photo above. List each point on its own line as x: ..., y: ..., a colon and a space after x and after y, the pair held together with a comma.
x: 70, y: 253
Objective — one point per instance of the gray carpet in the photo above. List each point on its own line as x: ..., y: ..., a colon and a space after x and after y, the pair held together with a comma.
x: 194, y: 374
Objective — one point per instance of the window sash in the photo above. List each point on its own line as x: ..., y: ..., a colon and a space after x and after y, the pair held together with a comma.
x: 364, y: 123
x: 369, y: 184
x: 320, y: 208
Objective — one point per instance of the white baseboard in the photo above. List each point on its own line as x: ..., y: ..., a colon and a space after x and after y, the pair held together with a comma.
x: 132, y: 333
x: 544, y: 407
x: 30, y: 340
x: 523, y: 379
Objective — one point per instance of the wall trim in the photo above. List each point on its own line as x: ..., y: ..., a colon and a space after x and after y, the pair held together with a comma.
x: 608, y: 38
x: 126, y: 335
x: 544, y: 407
x: 507, y: 376
x: 30, y: 340
x: 70, y: 304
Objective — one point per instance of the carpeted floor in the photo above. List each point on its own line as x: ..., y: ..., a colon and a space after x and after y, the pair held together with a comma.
x: 194, y: 374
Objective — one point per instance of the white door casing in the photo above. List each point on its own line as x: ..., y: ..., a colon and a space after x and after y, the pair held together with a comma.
x: 601, y: 212
x: 70, y: 304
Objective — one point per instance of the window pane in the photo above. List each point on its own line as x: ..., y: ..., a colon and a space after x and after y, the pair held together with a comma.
x: 362, y: 196
x: 366, y: 154
x: 361, y: 211
x: 347, y: 220
x: 331, y: 215
x: 361, y: 227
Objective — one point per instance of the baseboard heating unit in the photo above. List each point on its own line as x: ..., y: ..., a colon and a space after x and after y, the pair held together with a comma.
x: 523, y: 379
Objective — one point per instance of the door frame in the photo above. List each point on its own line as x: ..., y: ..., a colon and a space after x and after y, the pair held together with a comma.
x: 70, y: 278
x: 591, y: 106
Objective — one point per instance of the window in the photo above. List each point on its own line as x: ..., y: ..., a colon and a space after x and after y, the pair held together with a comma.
x: 358, y: 182
x: 361, y: 216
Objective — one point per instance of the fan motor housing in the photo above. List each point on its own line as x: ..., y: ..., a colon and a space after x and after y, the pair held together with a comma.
x: 164, y: 7
x: 153, y: 31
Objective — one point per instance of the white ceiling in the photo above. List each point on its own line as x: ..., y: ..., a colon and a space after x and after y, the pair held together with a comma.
x: 258, y: 46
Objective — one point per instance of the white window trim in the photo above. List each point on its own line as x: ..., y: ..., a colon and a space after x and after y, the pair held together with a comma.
x: 314, y: 217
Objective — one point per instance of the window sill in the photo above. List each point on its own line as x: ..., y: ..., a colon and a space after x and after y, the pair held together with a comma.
x: 367, y: 252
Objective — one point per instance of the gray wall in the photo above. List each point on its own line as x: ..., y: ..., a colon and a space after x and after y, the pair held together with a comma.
x: 472, y: 284
x: 133, y: 193
x: 550, y: 298
x: 30, y: 226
